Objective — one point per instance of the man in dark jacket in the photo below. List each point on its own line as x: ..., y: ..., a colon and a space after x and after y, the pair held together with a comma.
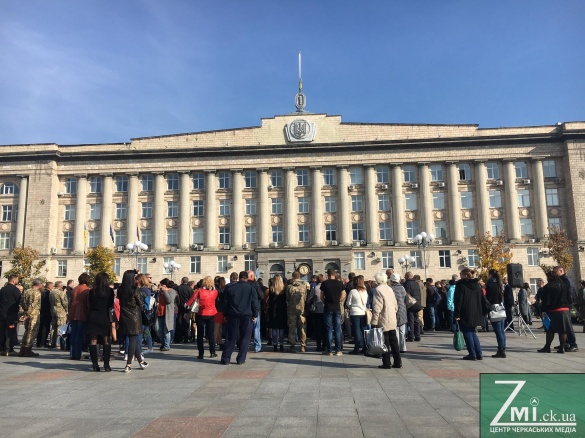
x: 509, y: 303
x: 260, y: 293
x: 185, y: 293
x: 9, y: 301
x: 413, y: 289
x: 571, y: 345
x: 45, y: 318
x: 240, y: 308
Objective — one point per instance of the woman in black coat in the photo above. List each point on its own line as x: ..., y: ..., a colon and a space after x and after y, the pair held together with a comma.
x: 470, y: 308
x: 131, y: 302
x: 555, y: 305
x: 277, y: 317
x: 494, y: 294
x: 101, y: 302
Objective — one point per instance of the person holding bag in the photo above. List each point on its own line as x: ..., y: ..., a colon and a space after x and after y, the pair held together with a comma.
x: 384, y: 310
x: 495, y: 296
x: 356, y: 301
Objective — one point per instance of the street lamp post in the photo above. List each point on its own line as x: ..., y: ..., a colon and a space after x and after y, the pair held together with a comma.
x: 406, y: 262
x: 424, y: 240
x: 135, y: 249
x: 171, y: 267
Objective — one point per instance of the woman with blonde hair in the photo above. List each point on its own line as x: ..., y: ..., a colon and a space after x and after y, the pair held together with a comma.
x: 207, y: 295
x: 277, y: 317
x: 356, y: 301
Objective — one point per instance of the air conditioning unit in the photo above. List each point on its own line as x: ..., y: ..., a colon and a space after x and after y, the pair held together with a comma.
x: 414, y: 185
x: 384, y: 186
x: 363, y: 242
x: 441, y: 184
x: 198, y: 247
x: 356, y: 244
x: 226, y: 246
x: 53, y: 250
x: 499, y: 182
x: 120, y: 248
x: 274, y: 245
x: 270, y: 187
x: 438, y: 242
x: 60, y: 194
x: 410, y: 241
x: 352, y: 187
x: 230, y: 265
x: 334, y: 243
x: 526, y: 181
x: 531, y: 240
x: 390, y: 242
x: 558, y: 180
x: 245, y: 246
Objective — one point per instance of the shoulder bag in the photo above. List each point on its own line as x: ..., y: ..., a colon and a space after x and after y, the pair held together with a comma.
x: 409, y: 300
x: 458, y: 341
x: 368, y: 311
x: 498, y: 313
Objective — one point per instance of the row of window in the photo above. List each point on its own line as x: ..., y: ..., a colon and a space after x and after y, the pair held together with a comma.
x: 356, y: 177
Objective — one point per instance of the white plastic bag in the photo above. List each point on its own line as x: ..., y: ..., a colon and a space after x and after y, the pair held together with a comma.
x: 375, y: 341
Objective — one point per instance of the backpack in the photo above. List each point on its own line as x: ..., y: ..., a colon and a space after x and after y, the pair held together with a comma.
x: 148, y: 310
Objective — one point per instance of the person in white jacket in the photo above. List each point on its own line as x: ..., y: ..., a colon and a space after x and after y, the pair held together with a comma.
x: 356, y: 302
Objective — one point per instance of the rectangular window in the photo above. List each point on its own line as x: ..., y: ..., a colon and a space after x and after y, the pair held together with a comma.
x: 198, y: 208
x: 356, y: 176
x: 198, y: 181
x: 329, y: 177
x: 440, y: 229
x: 533, y: 282
x: 61, y: 268
x: 172, y: 182
x: 417, y: 259
x: 472, y: 258
x: 147, y: 183
x: 466, y: 200
x: 142, y: 264
x: 224, y: 179
x: 9, y: 188
x: 526, y: 227
x: 357, y: 231
x: 71, y: 186
x: 250, y: 179
x: 521, y: 169
x: 409, y: 174
x: 552, y: 197
x: 382, y: 175
x: 359, y: 260
x: 468, y: 228
x: 276, y: 178
x: 438, y: 201
x: 385, y: 230
x: 222, y: 264
x: 549, y: 168
x: 146, y: 210
x: 444, y: 258
x: 303, y: 233
x: 411, y: 229
x: 357, y: 203
x: 554, y: 223
x: 303, y: 205
x: 70, y: 212
x: 533, y: 259
x: 195, y: 266
x: 224, y: 235
x: 276, y: 205
x: 330, y: 232
x: 250, y: 207
x: 464, y: 172
x: 411, y: 204
x: 5, y: 241
x: 68, y: 240
x: 95, y: 212
x: 249, y: 262
x: 197, y: 236
x: 497, y: 227
x: 524, y: 198
x: 302, y: 177
x: 330, y: 206
x: 387, y: 260
x: 116, y: 267
x: 493, y: 170
x: 120, y: 238
x: 383, y: 202
x: 436, y: 172
x: 95, y: 184
x: 277, y: 233
x: 167, y: 260
x: 250, y: 234
x: 121, y: 183
x: 172, y: 236
x: 93, y: 238
x: 495, y: 199
x: 173, y: 209
x: 225, y: 207
x: 121, y: 210
x: 146, y: 236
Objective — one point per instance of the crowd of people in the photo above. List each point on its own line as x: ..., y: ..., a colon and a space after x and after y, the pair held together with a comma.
x: 243, y: 312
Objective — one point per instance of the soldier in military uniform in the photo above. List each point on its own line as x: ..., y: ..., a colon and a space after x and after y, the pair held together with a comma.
x: 30, y: 311
x: 296, y: 296
x: 59, y: 306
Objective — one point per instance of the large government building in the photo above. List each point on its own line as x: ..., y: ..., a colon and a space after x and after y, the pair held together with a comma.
x: 301, y: 191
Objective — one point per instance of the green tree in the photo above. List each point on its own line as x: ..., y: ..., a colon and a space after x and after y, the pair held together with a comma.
x: 101, y: 259
x: 26, y: 265
x: 493, y: 253
x: 559, y: 248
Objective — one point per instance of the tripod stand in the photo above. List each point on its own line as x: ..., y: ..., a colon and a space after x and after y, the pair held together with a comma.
x: 522, y: 326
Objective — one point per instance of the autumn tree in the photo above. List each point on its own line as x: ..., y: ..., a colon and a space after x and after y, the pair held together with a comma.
x: 26, y: 265
x: 101, y: 259
x: 559, y: 248
x: 493, y: 252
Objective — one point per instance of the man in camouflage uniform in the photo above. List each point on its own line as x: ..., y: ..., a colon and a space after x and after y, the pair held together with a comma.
x: 59, y: 305
x: 30, y: 311
x: 296, y: 296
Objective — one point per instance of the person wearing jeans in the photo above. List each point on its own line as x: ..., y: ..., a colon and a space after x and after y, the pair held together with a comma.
x: 207, y: 296
x: 494, y: 294
x: 333, y: 328
x: 333, y: 299
x: 77, y: 316
x: 356, y: 301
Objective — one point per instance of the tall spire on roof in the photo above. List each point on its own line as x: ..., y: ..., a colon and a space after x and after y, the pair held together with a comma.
x: 300, y: 99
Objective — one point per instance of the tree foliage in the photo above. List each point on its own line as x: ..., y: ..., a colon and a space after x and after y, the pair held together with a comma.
x: 493, y: 253
x: 101, y: 259
x: 26, y: 265
x: 559, y: 248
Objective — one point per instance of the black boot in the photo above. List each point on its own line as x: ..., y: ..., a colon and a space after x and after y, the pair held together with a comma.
x: 500, y: 353
x: 107, y: 354
x: 94, y: 357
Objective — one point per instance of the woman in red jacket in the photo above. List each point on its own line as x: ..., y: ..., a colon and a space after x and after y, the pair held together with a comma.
x: 204, y: 319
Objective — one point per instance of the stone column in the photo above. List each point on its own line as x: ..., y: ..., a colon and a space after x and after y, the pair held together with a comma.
x: 427, y: 222
x: 80, y: 214
x: 237, y: 217
x: 133, y: 208
x: 540, y: 210
x: 263, y: 229
x: 159, y: 215
x: 211, y: 212
x: 290, y: 218
x: 398, y: 206
x: 372, y: 228
x: 107, y: 216
x: 185, y: 206
x: 21, y: 217
x: 454, y: 201
x: 482, y: 203
x: 343, y: 223
x: 317, y: 208
x: 511, y: 213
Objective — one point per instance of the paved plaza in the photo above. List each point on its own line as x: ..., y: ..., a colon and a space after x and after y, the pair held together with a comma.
x: 435, y: 394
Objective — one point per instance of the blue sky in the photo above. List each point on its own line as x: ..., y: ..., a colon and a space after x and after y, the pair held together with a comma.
x: 107, y: 71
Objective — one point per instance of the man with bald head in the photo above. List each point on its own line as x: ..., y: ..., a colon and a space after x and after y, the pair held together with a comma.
x: 257, y: 339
